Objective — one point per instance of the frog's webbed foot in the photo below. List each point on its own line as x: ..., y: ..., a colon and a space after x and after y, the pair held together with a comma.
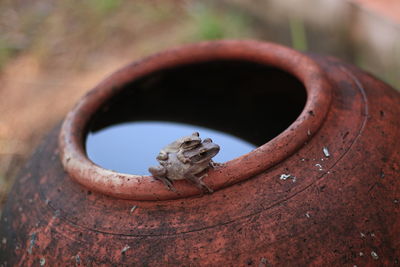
x: 162, y: 156
x: 197, y: 181
x: 215, y: 164
x: 160, y: 173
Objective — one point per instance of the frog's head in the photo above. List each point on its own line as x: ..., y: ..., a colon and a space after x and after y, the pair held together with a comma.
x: 189, y: 142
x: 203, y: 153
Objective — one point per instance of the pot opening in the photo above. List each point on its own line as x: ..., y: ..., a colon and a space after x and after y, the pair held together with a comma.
x: 246, y: 103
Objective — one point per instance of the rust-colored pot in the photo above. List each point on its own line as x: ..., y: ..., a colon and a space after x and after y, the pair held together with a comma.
x: 322, y: 188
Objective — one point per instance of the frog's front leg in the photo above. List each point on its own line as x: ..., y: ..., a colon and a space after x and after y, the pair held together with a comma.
x: 182, y: 157
x: 214, y: 164
x: 197, y: 181
x: 160, y: 173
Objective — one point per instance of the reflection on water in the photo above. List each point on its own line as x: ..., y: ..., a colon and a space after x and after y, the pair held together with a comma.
x: 132, y: 147
x: 242, y: 98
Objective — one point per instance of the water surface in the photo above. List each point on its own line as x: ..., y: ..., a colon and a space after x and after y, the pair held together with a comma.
x: 132, y: 147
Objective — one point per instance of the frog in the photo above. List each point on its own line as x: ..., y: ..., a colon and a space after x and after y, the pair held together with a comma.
x: 179, y: 146
x: 200, y: 160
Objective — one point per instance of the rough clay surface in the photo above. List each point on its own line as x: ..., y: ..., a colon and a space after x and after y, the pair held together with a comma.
x: 341, y: 210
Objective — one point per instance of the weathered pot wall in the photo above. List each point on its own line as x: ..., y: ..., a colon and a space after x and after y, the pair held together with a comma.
x: 337, y: 209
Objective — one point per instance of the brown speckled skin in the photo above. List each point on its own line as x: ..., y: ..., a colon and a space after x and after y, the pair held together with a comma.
x: 334, y: 214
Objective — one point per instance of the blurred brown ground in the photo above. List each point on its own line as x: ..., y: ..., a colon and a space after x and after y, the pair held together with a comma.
x: 52, y: 52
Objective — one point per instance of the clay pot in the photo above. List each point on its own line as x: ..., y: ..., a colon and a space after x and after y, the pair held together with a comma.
x: 322, y: 187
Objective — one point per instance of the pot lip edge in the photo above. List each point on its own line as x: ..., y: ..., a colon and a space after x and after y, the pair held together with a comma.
x: 141, y: 187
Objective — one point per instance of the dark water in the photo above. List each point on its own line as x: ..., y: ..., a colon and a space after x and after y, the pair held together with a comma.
x: 132, y: 147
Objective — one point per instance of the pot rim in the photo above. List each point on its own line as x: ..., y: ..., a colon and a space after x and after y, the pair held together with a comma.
x: 141, y: 187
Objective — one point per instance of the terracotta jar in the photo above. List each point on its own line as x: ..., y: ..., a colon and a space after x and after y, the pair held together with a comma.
x: 321, y: 188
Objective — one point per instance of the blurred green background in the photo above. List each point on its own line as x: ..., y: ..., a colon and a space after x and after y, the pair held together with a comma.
x: 52, y: 52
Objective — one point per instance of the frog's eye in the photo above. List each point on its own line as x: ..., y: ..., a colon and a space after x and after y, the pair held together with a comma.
x: 187, y: 143
x: 190, y: 143
x: 202, y: 154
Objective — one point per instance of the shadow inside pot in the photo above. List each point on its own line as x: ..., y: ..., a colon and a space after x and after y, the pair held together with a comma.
x: 239, y: 104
